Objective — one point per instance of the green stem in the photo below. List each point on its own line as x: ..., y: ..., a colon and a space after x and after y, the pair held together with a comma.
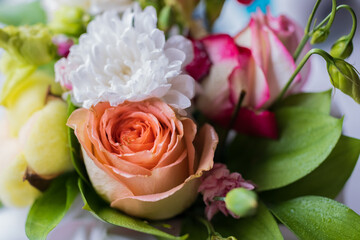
x: 301, y: 47
x: 353, y: 15
x: 317, y: 51
x: 332, y: 15
x: 208, y: 225
x: 231, y: 124
x: 219, y: 198
x: 308, y: 25
x: 307, y: 33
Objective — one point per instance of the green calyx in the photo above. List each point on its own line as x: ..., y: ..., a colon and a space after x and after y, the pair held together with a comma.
x: 29, y: 44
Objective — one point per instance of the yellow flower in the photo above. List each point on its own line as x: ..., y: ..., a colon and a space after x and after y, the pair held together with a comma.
x: 33, y: 138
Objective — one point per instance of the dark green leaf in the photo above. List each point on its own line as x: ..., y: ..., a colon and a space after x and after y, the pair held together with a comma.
x: 75, y: 148
x: 319, y: 101
x: 261, y: 226
x: 194, y: 228
x: 328, y: 179
x: 48, y: 210
x: 314, y: 218
x: 306, y: 140
x: 22, y: 13
x: 102, y: 210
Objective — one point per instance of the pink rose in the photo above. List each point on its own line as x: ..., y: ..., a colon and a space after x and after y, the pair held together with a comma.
x: 256, y: 62
x: 143, y: 158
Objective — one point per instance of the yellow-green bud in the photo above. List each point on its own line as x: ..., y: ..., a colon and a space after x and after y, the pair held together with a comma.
x: 29, y: 44
x: 241, y: 202
x: 345, y: 77
x: 320, y: 36
x: 157, y: 4
x: 166, y: 18
x: 70, y: 21
x: 342, y: 48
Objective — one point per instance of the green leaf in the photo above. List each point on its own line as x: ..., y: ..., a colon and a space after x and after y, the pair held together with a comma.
x: 315, y: 218
x: 102, y: 210
x: 328, y: 179
x: 319, y: 101
x: 48, y: 210
x: 22, y: 13
x: 194, y: 228
x: 213, y: 10
x: 75, y: 147
x: 261, y: 226
x: 306, y: 140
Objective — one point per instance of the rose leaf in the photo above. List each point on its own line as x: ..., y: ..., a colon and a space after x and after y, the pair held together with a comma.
x: 260, y: 226
x: 328, y: 179
x: 48, y: 210
x: 306, y: 139
x: 319, y: 101
x: 314, y: 217
x: 102, y: 210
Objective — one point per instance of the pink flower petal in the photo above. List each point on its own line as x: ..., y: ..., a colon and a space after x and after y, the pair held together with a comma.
x: 221, y: 47
x: 252, y: 80
x: 201, y: 64
x: 261, y: 124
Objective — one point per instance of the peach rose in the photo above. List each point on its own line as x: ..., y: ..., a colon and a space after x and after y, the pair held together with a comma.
x: 143, y: 158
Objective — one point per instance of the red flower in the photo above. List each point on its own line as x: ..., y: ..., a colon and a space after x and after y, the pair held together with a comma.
x: 246, y: 2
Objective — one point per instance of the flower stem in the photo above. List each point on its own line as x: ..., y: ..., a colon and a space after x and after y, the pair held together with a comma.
x: 301, y: 46
x: 320, y: 52
x: 231, y: 124
x: 307, y: 33
x: 353, y: 15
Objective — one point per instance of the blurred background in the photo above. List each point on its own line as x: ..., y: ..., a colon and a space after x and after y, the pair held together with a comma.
x: 235, y: 17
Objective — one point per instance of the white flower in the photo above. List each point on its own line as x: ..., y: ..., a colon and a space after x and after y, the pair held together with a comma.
x: 91, y: 6
x: 128, y: 59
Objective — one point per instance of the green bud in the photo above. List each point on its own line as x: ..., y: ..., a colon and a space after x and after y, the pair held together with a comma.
x: 342, y: 48
x: 241, y: 202
x: 320, y: 36
x: 345, y: 77
x: 166, y: 18
x: 29, y: 44
x: 71, y: 21
x: 157, y: 4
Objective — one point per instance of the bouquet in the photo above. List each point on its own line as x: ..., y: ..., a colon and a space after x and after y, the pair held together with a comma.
x: 151, y: 118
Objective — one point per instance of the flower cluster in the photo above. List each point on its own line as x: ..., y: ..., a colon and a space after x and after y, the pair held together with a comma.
x: 134, y: 136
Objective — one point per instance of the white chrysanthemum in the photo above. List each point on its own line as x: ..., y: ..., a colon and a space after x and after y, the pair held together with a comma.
x: 91, y: 6
x: 128, y: 59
